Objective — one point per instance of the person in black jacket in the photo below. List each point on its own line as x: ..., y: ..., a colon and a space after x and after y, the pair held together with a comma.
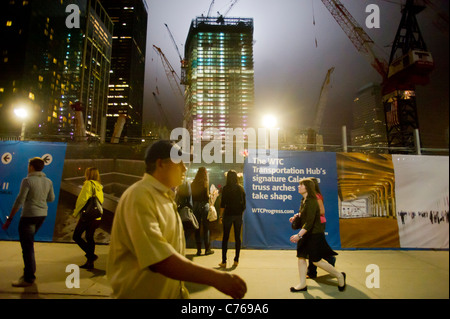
x: 310, y: 240
x: 200, y: 197
x: 232, y: 207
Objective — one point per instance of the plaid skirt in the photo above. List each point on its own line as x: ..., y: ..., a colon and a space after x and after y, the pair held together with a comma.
x: 314, y: 247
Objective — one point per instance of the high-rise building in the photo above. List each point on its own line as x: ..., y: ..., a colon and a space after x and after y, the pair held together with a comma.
x: 126, y: 85
x: 48, y: 66
x: 220, y: 75
x: 369, y: 128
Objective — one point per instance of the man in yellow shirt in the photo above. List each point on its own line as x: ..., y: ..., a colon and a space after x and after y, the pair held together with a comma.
x: 147, y: 247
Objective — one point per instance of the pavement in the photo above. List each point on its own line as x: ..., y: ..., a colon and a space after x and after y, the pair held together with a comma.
x: 371, y: 274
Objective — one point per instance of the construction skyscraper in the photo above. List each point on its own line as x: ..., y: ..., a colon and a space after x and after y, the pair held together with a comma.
x: 220, y: 75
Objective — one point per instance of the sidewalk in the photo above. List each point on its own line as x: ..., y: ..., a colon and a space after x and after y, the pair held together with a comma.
x: 268, y: 273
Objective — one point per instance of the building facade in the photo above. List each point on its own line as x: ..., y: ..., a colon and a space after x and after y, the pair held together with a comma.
x: 48, y: 66
x: 220, y: 75
x: 126, y: 85
x: 369, y: 128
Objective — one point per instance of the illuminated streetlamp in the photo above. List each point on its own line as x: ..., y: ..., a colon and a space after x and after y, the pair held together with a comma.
x: 22, y: 114
x: 269, y: 122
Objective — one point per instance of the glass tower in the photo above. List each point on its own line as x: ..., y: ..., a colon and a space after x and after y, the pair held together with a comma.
x: 219, y: 76
x: 48, y: 66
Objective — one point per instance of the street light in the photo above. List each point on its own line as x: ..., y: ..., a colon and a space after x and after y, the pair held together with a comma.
x: 22, y: 114
x: 269, y: 122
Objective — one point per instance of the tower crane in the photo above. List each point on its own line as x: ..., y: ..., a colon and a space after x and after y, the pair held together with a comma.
x: 172, y: 76
x: 221, y: 17
x: 360, y: 39
x: 401, y: 75
x: 182, y: 61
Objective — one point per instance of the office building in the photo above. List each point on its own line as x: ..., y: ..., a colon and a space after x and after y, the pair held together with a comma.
x: 369, y: 128
x: 220, y: 75
x: 47, y: 66
x: 126, y: 84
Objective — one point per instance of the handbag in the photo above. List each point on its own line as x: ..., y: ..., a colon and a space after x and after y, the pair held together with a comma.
x: 92, y: 209
x: 296, y: 223
x: 187, y: 217
x: 212, y: 213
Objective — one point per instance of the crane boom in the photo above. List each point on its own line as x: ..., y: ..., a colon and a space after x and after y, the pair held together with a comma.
x: 174, y: 42
x: 172, y: 76
x: 320, y: 108
x: 163, y: 114
x: 210, y: 7
x: 360, y: 39
x: 182, y: 61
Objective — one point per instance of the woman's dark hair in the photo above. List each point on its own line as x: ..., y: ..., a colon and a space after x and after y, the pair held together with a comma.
x: 200, y: 181
x: 37, y: 163
x: 310, y: 187
x: 316, y: 185
x: 232, y: 178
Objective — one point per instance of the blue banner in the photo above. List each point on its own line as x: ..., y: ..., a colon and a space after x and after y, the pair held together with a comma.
x: 271, y: 186
x: 14, y: 168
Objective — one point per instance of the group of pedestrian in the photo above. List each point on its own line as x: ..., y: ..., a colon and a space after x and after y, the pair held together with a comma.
x: 36, y: 190
x: 147, y: 247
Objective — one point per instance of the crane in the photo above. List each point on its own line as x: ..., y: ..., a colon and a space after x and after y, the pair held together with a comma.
x: 360, y: 39
x: 221, y: 17
x: 182, y: 61
x: 233, y: 2
x: 400, y: 75
x: 209, y: 10
x: 320, y: 108
x: 163, y: 114
x: 172, y: 76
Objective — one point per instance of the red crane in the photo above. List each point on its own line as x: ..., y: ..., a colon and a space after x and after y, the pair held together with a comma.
x: 410, y: 64
x: 360, y: 39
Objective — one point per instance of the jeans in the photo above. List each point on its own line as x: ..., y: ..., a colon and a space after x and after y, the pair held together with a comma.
x: 228, y: 221
x: 28, y: 227
x: 88, y: 245
x: 201, y: 213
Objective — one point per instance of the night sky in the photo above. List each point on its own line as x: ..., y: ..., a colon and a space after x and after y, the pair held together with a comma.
x: 290, y: 69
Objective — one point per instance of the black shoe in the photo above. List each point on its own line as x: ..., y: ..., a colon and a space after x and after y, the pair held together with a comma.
x: 299, y: 290
x: 209, y: 252
x: 345, y: 284
x: 89, y: 265
x: 199, y: 252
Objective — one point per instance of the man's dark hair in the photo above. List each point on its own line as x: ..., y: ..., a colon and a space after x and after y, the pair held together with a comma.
x: 37, y: 163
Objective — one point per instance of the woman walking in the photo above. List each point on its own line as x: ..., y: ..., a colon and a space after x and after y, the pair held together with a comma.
x: 200, y: 198
x: 311, y: 242
x: 232, y: 206
x: 91, y: 187
x: 312, y: 269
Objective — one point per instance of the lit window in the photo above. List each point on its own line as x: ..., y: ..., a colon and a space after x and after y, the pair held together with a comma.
x: 9, y: 23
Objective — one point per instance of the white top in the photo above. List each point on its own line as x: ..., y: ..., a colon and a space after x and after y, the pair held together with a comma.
x: 146, y: 230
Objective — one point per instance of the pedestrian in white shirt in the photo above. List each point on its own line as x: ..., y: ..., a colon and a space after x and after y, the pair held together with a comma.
x: 147, y: 246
